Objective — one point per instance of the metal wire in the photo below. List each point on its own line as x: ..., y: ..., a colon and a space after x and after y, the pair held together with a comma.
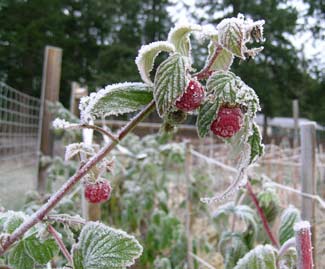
x: 19, y: 121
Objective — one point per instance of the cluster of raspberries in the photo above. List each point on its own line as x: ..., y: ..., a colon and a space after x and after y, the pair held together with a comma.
x: 229, y: 119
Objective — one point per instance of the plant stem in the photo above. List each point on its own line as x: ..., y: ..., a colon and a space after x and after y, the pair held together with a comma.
x: 60, y: 243
x: 303, y: 245
x: 67, y: 186
x: 100, y: 130
x: 261, y: 214
x: 205, y: 72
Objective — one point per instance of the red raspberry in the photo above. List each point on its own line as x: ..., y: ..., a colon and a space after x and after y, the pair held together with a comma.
x: 228, y: 121
x: 192, y: 97
x: 97, y: 192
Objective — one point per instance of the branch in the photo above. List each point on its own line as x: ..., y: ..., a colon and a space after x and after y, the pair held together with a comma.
x: 261, y: 214
x: 67, y: 186
x: 206, y: 72
x: 60, y: 243
x: 100, y: 130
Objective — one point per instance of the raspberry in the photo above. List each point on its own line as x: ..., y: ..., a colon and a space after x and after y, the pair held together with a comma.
x: 97, y: 192
x: 192, y: 97
x: 228, y: 121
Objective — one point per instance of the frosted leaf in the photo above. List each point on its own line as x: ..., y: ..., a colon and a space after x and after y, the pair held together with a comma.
x: 223, y: 61
x: 179, y: 37
x: 261, y: 257
x: 147, y: 55
x: 234, y: 33
x: 63, y: 124
x: 207, y: 114
x: 76, y: 148
x: 101, y: 247
x: 256, y: 146
x: 289, y: 217
x: 18, y: 258
x: 12, y: 220
x: 115, y: 99
x: 170, y: 83
x: 289, y: 259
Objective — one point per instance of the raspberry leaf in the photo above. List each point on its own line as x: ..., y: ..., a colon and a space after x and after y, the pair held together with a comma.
x: 102, y: 247
x: 255, y: 141
x: 222, y: 84
x: 223, y: 61
x: 260, y: 257
x: 72, y: 150
x: 170, y: 82
x: 18, y: 258
x: 207, y: 114
x: 179, y: 37
x: 40, y: 252
x: 288, y: 218
x: 231, y: 36
x: 147, y: 55
x: 115, y: 99
x: 12, y: 221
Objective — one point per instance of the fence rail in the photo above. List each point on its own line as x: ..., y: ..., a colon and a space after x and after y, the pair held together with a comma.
x: 19, y: 121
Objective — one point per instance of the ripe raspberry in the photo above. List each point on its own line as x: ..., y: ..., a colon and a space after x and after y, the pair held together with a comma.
x: 192, y: 97
x: 228, y: 121
x: 97, y: 192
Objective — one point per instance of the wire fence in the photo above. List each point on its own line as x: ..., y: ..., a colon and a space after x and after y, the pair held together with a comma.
x: 19, y: 121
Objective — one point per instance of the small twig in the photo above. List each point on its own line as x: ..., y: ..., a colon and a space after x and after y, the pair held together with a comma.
x: 288, y: 244
x: 100, y: 130
x: 203, y: 262
x: 60, y: 243
x: 205, y: 72
x: 66, y: 219
x: 261, y: 214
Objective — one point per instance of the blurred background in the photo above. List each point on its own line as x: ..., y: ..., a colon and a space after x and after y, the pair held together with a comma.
x: 100, y: 40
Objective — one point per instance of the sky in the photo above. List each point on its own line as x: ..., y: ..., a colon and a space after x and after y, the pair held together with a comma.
x: 313, y: 49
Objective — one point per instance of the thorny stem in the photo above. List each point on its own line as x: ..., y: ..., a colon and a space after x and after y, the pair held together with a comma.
x: 60, y: 243
x: 67, y: 186
x: 303, y: 245
x: 205, y: 72
x: 261, y: 214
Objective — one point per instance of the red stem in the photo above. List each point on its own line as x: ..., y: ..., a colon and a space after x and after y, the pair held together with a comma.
x: 261, y: 214
x: 303, y: 245
x: 60, y: 243
x: 205, y: 72
x: 67, y: 186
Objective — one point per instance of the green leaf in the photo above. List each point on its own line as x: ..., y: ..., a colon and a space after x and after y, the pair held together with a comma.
x: 222, y: 84
x: 77, y: 258
x: 231, y: 36
x: 170, y: 82
x: 289, y: 259
x: 41, y: 252
x: 255, y: 141
x: 179, y: 37
x: 233, y: 248
x: 12, y: 221
x: 102, y: 247
x: 270, y: 203
x: 115, y: 99
x: 289, y: 217
x: 207, y: 114
x: 147, y: 55
x: 223, y: 61
x: 258, y: 258
x: 18, y: 258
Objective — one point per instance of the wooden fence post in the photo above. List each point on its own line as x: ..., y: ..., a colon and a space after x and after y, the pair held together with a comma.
x: 50, y: 92
x: 295, y: 112
x: 308, y: 176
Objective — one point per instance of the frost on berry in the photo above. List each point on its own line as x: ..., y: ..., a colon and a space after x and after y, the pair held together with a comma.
x: 97, y: 192
x: 228, y: 122
x: 192, y: 97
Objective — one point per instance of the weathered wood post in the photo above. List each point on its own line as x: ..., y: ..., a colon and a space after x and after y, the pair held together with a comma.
x: 308, y: 176
x: 50, y: 92
x: 295, y: 114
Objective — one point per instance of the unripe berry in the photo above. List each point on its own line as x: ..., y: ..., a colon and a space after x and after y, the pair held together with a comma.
x: 228, y: 121
x: 192, y: 97
x: 97, y: 192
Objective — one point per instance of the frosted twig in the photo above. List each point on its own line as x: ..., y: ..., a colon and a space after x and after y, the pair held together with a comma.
x: 200, y: 260
x: 288, y: 244
x: 66, y: 219
x: 67, y: 186
x: 100, y: 130
x: 60, y: 243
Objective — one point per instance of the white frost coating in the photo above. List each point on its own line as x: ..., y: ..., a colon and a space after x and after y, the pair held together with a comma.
x: 63, y: 124
x: 182, y: 29
x: 147, y: 55
x: 88, y: 103
x: 75, y: 148
x: 301, y: 225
